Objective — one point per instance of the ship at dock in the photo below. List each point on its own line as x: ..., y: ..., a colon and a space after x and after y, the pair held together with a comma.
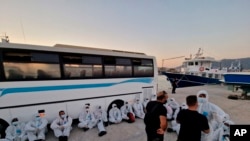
x: 199, y: 70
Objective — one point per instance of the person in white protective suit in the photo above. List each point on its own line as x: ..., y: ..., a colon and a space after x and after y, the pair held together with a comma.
x: 101, y: 120
x: 115, y: 115
x: 36, y: 128
x: 138, y: 109
x: 175, y: 127
x: 175, y: 107
x: 169, y: 112
x: 213, y: 113
x: 62, y: 126
x: 145, y: 102
x: 15, y: 131
x: 222, y: 133
x: 127, y: 113
x: 86, y: 118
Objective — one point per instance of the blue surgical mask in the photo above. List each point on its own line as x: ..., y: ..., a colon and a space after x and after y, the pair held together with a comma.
x: 38, y: 118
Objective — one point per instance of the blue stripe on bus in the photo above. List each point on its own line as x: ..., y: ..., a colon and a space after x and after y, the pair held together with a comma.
x: 67, y: 87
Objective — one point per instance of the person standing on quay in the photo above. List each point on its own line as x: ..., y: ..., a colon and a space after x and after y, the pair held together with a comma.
x: 174, y: 85
x: 155, y: 118
x: 191, y: 121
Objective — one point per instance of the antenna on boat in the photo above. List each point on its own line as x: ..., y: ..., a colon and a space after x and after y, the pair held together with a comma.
x: 5, y: 38
x: 199, y: 53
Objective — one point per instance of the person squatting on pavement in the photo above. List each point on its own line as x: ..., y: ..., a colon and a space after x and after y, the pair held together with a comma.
x: 62, y: 126
x: 155, y: 119
x: 101, y: 120
x: 138, y: 108
x: 212, y: 112
x: 15, y: 131
x: 175, y: 127
x: 127, y: 113
x: 86, y: 118
x: 115, y: 115
x: 36, y: 128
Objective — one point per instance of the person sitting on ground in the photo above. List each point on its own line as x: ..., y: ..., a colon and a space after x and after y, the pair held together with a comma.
x: 145, y: 102
x: 175, y: 107
x: 138, y: 109
x: 127, y: 113
x: 62, y: 126
x: 36, y: 128
x: 115, y: 115
x: 16, y: 131
x: 101, y: 120
x: 86, y: 118
x: 175, y: 127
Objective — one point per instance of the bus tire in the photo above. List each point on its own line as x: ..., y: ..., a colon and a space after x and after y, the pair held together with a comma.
x: 119, y: 104
x: 3, y: 127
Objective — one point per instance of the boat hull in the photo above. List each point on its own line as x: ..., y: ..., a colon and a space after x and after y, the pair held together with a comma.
x: 237, y: 78
x: 185, y: 80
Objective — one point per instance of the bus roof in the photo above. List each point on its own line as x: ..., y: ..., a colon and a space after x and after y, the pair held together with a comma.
x: 74, y: 49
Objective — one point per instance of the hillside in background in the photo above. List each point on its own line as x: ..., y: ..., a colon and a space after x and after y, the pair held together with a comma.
x: 245, y: 63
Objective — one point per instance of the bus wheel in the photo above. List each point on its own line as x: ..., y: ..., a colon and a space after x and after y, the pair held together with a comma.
x: 3, y: 126
x: 118, y: 102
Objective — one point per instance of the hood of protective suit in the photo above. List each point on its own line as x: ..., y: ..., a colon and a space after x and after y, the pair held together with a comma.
x: 203, y: 92
x: 172, y: 103
x: 114, y: 106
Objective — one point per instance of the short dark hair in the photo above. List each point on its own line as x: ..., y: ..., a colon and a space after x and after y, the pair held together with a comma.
x: 61, y: 112
x: 191, y: 100
x: 161, y: 95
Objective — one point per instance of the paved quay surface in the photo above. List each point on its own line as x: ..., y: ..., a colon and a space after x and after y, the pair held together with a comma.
x: 238, y: 110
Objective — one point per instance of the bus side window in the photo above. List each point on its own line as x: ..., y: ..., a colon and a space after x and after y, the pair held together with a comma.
x: 41, y: 74
x: 15, y: 74
x: 83, y: 73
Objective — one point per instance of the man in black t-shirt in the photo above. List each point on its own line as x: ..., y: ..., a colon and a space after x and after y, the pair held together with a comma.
x: 155, y: 118
x: 192, y: 123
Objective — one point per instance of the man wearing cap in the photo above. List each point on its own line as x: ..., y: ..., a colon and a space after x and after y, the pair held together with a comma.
x: 155, y: 118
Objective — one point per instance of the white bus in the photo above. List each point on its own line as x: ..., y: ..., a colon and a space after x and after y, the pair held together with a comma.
x: 64, y: 77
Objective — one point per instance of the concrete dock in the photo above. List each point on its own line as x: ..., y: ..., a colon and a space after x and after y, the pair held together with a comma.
x: 239, y: 111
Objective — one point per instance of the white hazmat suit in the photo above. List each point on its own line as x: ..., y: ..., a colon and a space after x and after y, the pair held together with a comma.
x: 62, y: 126
x: 115, y: 115
x: 127, y: 112
x: 101, y: 118
x: 86, y: 118
x: 36, y: 128
x: 16, y: 131
x: 212, y: 112
x: 175, y: 107
x: 138, y: 109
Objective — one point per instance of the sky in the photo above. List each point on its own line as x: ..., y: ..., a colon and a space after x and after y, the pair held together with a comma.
x: 161, y: 28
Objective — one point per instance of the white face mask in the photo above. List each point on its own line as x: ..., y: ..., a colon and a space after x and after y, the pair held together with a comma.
x: 202, y: 100
x: 15, y: 123
x: 63, y: 116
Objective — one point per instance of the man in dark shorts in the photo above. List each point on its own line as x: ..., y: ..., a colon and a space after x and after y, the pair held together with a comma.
x: 155, y: 118
x: 192, y: 123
